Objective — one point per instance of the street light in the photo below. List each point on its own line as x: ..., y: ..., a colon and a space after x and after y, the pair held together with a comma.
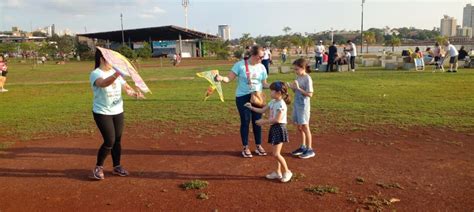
x: 362, y: 28
x: 121, y: 23
x: 186, y: 5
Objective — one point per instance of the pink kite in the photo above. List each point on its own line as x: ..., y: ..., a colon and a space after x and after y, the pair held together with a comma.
x: 123, y: 65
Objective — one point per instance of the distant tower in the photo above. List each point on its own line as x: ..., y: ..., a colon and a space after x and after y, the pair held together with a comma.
x: 186, y: 5
x: 224, y: 32
x: 53, y: 30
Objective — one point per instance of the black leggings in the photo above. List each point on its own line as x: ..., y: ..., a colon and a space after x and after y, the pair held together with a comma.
x: 111, y: 127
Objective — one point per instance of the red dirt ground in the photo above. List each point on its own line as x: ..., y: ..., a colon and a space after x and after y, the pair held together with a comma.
x: 434, y: 168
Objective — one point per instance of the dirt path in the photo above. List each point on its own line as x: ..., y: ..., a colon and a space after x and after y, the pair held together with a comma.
x: 83, y: 81
x: 433, y: 170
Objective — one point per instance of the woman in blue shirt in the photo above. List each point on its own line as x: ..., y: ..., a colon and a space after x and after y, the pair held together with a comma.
x: 258, y: 80
x: 107, y: 85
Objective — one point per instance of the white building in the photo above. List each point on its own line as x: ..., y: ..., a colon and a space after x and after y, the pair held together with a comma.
x: 448, y: 26
x: 464, y: 32
x: 224, y: 32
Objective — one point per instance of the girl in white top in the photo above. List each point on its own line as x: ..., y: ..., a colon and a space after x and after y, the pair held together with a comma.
x: 278, y: 133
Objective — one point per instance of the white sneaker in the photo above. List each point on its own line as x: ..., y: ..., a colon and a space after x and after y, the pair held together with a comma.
x: 286, y: 176
x: 353, y: 70
x: 3, y: 90
x: 273, y: 176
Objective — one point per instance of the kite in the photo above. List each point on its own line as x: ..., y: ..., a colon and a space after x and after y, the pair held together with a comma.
x: 209, y: 76
x: 124, y: 67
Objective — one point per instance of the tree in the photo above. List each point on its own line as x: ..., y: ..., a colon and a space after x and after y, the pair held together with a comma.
x: 306, y: 43
x: 246, y: 40
x: 48, y: 49
x: 65, y: 45
x: 369, y: 38
x: 145, y: 52
x: 442, y: 40
x: 127, y: 52
x: 84, y: 51
x: 218, y: 48
x: 393, y: 41
x: 8, y: 47
x: 286, y: 29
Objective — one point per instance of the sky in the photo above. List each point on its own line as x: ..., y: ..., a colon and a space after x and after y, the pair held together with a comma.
x: 257, y: 17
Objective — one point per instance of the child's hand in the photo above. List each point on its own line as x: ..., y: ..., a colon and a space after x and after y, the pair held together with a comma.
x: 296, y: 85
x: 218, y: 78
x: 140, y: 95
x: 260, y: 122
x: 248, y: 105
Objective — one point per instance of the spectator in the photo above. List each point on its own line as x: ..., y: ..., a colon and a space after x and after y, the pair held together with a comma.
x: 332, y: 57
x: 319, y: 51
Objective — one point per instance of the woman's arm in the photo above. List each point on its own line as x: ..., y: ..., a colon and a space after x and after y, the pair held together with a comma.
x: 257, y: 110
x: 100, y: 82
x: 265, y: 84
x: 131, y: 92
x: 231, y: 76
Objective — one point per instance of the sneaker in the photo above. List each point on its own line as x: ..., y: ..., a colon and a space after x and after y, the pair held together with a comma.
x: 260, y: 151
x: 98, y: 173
x: 3, y: 90
x: 246, y: 153
x: 273, y: 176
x: 309, y: 153
x: 353, y: 70
x: 449, y: 71
x: 286, y: 176
x: 120, y: 171
x: 299, y: 151
x: 455, y: 71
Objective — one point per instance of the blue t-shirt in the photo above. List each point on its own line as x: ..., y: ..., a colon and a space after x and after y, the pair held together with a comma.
x: 258, y: 73
x: 108, y: 100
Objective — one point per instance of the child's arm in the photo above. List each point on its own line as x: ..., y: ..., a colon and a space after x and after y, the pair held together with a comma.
x: 305, y: 93
x: 270, y: 121
x: 254, y: 109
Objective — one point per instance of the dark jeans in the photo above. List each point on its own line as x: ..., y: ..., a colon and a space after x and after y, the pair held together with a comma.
x: 245, y: 116
x: 353, y: 58
x: 330, y: 65
x: 266, y: 63
x: 111, y: 127
x: 319, y: 61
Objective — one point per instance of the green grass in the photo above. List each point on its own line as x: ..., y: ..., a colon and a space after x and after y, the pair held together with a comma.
x: 194, y: 184
x: 321, y: 190
x: 369, y: 98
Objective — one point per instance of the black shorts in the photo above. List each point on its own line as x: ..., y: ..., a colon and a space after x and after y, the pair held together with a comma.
x: 453, y: 60
x: 436, y: 59
x: 278, y: 134
x: 4, y: 73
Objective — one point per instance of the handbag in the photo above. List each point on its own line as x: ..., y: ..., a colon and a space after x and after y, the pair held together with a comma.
x: 257, y: 98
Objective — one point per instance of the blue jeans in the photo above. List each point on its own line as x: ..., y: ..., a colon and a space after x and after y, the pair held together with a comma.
x: 319, y: 61
x: 245, y: 116
x: 266, y: 63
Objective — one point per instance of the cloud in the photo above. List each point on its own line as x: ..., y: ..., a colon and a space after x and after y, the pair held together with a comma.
x: 151, y: 13
x: 14, y: 3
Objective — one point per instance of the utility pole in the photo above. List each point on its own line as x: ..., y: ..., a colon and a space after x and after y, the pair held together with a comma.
x: 121, y: 23
x: 362, y: 28
x: 186, y: 5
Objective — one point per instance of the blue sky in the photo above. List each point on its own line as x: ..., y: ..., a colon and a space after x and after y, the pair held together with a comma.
x: 258, y: 17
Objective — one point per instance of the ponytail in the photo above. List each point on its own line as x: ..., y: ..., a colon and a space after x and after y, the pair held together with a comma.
x: 286, y: 97
x: 283, y: 89
x: 308, y: 69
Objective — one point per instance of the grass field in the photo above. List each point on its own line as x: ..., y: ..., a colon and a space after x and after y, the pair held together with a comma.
x: 56, y: 99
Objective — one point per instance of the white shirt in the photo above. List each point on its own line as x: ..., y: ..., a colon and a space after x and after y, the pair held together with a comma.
x: 453, y: 52
x: 319, y: 50
x: 278, y: 106
x: 266, y: 55
x: 353, y: 50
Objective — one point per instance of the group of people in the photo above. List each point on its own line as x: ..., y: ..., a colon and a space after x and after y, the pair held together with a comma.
x: 3, y: 73
x: 437, y: 55
x: 333, y: 57
x: 251, y: 75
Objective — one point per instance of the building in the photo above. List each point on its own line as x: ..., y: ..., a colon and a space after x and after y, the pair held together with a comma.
x: 464, y: 32
x: 164, y: 40
x: 468, y: 16
x: 224, y: 32
x: 448, y: 26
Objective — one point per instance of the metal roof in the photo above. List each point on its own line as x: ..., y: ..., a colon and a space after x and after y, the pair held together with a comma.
x: 152, y: 33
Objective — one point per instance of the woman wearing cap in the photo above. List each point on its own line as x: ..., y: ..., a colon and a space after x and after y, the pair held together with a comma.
x: 252, y: 76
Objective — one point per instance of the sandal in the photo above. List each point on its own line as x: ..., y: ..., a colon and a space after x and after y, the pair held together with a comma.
x: 260, y: 151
